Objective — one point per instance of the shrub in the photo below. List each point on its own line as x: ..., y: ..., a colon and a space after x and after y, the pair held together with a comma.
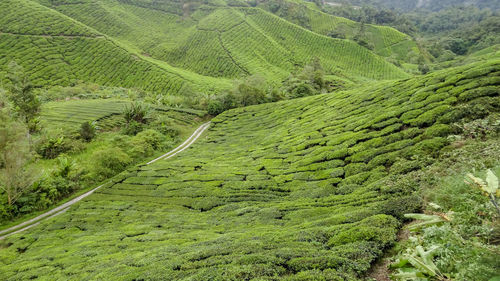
x: 423, y: 68
x: 165, y: 125
x: 146, y: 142
x: 132, y: 128
x: 222, y: 103
x: 87, y: 131
x: 108, y: 161
x: 301, y: 89
x: 398, y: 206
x: 438, y: 130
x: 53, y: 143
x: 251, y: 91
x: 137, y: 112
x: 215, y: 107
x: 379, y: 228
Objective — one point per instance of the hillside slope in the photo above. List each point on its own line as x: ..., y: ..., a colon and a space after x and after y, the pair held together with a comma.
x: 139, y: 44
x: 223, y: 41
x: 292, y: 190
x: 433, y: 5
x: 57, y: 50
x: 384, y: 40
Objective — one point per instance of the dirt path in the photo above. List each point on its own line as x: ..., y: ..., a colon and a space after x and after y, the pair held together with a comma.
x: 64, y: 207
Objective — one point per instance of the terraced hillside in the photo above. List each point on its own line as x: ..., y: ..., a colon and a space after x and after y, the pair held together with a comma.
x: 56, y: 50
x: 228, y: 42
x: 71, y: 114
x: 292, y: 190
x: 136, y: 44
x: 107, y: 113
x: 385, y: 41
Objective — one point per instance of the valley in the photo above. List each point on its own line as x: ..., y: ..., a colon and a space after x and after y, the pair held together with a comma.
x: 241, y: 140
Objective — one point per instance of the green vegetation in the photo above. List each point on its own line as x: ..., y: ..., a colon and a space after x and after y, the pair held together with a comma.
x: 462, y: 243
x: 87, y: 131
x: 15, y: 178
x: 66, y: 54
x: 443, y: 29
x: 333, y: 127
x: 25, y: 102
x: 294, y: 190
x: 81, y: 142
x: 409, y: 5
x: 134, y: 44
x: 71, y: 114
x: 383, y: 40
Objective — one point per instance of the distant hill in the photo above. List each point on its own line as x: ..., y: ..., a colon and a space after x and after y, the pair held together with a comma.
x: 168, y: 47
x: 383, y: 40
x: 57, y: 50
x: 433, y: 5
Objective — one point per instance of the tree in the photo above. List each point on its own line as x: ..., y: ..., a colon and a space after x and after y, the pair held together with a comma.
x: 252, y: 90
x: 423, y: 68
x: 308, y: 81
x: 137, y: 112
x: 15, y: 178
x: 24, y: 100
x: 314, y: 73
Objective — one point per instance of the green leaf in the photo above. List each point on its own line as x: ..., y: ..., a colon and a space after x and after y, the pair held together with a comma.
x: 492, y: 181
x: 407, y: 274
x: 422, y: 266
x: 422, y: 217
x: 399, y: 263
x: 427, y: 256
x: 427, y: 220
x: 477, y: 180
x: 434, y: 206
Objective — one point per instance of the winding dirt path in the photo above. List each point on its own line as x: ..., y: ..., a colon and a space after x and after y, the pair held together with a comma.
x: 64, y: 207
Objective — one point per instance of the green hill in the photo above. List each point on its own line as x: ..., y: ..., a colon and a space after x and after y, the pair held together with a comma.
x: 432, y: 5
x: 71, y: 114
x: 57, y: 50
x: 385, y: 41
x: 160, y: 48
x: 222, y: 41
x: 293, y: 190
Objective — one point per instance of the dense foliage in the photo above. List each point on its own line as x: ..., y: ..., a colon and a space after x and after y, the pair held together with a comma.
x: 454, y: 29
x: 465, y: 243
x: 81, y: 143
x: 15, y: 177
x: 432, y: 5
x: 293, y: 190
x: 360, y: 27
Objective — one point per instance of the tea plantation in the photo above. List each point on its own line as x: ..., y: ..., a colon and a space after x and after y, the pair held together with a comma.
x: 67, y: 52
x: 157, y: 49
x: 107, y: 114
x: 225, y: 42
x: 385, y: 41
x: 285, y: 191
x: 71, y: 114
